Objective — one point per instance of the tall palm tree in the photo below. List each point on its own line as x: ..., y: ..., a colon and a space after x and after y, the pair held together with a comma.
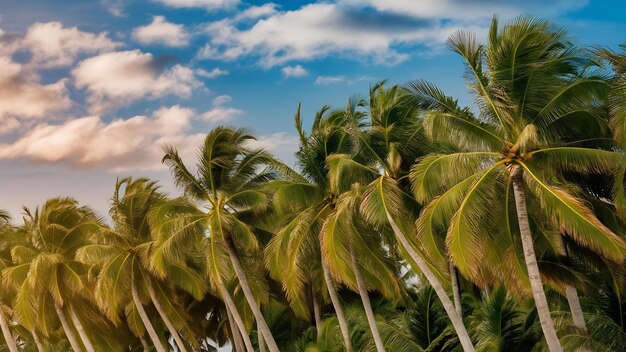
x: 6, y: 242
x: 393, y: 140
x: 539, y: 115
x: 229, y: 174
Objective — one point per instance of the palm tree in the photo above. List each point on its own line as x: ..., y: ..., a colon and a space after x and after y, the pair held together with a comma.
x: 539, y: 117
x: 227, y: 184
x: 124, y: 276
x: 6, y: 242
x: 46, y: 273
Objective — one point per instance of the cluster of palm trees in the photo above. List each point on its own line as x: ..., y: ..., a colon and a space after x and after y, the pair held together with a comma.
x: 412, y: 224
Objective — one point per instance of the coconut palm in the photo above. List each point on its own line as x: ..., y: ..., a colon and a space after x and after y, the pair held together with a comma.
x: 7, y: 241
x: 123, y: 273
x: 538, y: 100
x: 45, y: 272
x: 229, y: 174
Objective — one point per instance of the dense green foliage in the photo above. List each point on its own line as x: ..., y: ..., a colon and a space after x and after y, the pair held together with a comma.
x: 410, y: 223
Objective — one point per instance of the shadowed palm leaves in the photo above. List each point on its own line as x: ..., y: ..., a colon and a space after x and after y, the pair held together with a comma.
x: 539, y: 117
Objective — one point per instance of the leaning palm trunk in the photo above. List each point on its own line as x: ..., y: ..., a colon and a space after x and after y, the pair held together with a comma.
x: 367, y: 306
x: 256, y: 310
x: 334, y: 298
x: 531, y: 262
x: 261, y: 343
x: 146, y: 321
x: 166, y: 319
x: 81, y: 331
x: 456, y: 290
x: 572, y: 299
x: 316, y: 314
x: 235, y: 334
x: 67, y: 329
x: 37, y: 341
x: 574, y: 305
x: 6, y: 332
x: 232, y: 309
x: 455, y: 318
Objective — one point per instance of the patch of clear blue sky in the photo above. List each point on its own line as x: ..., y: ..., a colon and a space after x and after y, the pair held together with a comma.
x: 268, y: 100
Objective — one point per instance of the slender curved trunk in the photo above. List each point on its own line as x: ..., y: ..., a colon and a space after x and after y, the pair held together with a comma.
x: 37, y: 341
x: 367, y: 306
x: 316, y: 314
x: 574, y: 305
x: 230, y: 306
x: 67, y: 328
x: 261, y: 343
x: 245, y: 287
x: 144, y: 343
x: 455, y: 318
x: 235, y: 334
x: 166, y: 319
x: 531, y: 262
x: 81, y: 331
x: 6, y: 332
x: 456, y: 290
x: 146, y: 321
x: 334, y: 298
x: 572, y: 299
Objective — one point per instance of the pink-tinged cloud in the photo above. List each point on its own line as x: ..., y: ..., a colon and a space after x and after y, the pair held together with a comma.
x: 162, y: 32
x: 53, y: 45
x: 23, y: 97
x: 119, y: 78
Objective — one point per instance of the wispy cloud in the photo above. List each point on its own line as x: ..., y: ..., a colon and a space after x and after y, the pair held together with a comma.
x: 160, y: 31
x: 214, y: 73
x: 294, y: 71
x: 205, y: 4
x: 341, y: 79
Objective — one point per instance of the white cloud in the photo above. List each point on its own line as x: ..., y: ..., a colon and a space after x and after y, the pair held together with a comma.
x: 326, y: 80
x: 159, y: 31
x: 114, y: 7
x: 294, y: 71
x: 214, y: 73
x: 24, y: 97
x: 467, y: 9
x: 206, y: 4
x: 375, y: 30
x: 319, y: 30
x: 254, y: 12
x: 219, y: 112
x: 281, y: 144
x: 53, y: 45
x: 89, y: 142
x: 119, y: 78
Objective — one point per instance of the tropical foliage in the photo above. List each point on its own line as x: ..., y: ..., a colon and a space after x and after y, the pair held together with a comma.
x: 409, y: 223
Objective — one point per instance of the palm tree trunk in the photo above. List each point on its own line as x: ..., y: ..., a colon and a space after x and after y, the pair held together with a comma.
x: 455, y: 318
x: 144, y: 343
x: 316, y: 314
x: 146, y: 321
x: 367, y: 306
x: 245, y: 287
x: 574, y: 305
x: 334, y: 298
x: 531, y: 262
x: 572, y: 298
x: 81, y: 331
x: 232, y: 308
x: 235, y: 335
x: 37, y: 341
x: 6, y: 332
x: 164, y: 317
x: 456, y: 290
x: 67, y: 328
x: 261, y: 343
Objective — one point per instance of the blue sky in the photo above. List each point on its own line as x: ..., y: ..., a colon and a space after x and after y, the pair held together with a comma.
x: 89, y: 90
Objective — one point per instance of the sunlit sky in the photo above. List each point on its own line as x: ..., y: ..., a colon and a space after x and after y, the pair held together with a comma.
x: 91, y: 89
